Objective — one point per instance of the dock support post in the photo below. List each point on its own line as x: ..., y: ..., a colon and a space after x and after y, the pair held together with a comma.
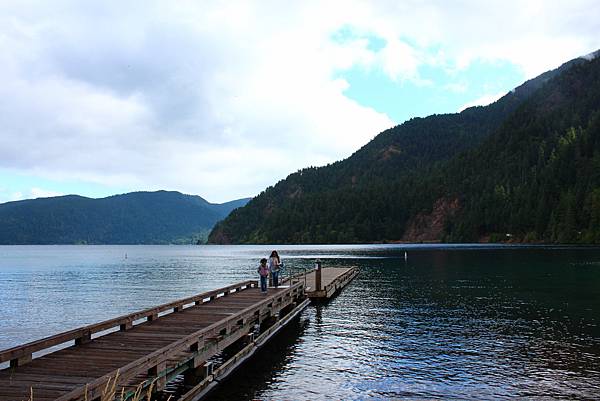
x: 155, y: 371
x: 208, y: 369
x: 318, y: 271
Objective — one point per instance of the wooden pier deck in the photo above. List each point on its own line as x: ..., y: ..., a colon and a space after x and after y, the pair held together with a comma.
x: 156, y: 345
x: 332, y: 280
x: 152, y: 345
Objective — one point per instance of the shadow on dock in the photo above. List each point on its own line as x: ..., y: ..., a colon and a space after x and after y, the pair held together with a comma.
x: 264, y: 367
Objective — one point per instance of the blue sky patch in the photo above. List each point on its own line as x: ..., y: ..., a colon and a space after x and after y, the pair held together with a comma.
x: 443, y: 90
x: 347, y: 34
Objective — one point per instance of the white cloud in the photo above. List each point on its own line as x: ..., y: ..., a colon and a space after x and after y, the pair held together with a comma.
x: 456, y: 87
x: 15, y: 196
x: 43, y: 193
x: 33, y: 193
x: 223, y: 99
x: 399, y: 60
x: 482, y: 100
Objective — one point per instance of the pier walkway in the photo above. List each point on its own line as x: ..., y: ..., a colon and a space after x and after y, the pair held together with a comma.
x: 147, y: 349
x: 325, y: 283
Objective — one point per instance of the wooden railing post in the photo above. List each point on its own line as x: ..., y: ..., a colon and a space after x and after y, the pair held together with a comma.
x: 126, y: 326
x: 86, y: 338
x: 20, y: 361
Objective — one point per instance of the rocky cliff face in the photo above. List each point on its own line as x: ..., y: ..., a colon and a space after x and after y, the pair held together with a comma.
x: 430, y: 227
x: 218, y: 236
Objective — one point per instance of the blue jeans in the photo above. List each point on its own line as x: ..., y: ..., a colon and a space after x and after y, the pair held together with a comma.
x: 275, y: 279
x: 263, y: 284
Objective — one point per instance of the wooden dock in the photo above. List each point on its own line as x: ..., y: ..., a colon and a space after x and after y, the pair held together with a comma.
x: 333, y: 279
x: 156, y: 345
x: 324, y: 283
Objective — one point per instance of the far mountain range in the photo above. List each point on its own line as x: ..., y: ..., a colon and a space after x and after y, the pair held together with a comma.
x: 160, y: 217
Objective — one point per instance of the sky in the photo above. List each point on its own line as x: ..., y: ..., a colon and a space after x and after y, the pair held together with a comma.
x: 224, y: 98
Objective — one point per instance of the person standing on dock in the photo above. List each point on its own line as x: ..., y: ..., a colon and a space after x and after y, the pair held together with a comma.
x: 263, y: 271
x: 274, y: 267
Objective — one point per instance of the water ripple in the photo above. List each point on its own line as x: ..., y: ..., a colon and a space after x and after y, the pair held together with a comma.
x: 451, y: 323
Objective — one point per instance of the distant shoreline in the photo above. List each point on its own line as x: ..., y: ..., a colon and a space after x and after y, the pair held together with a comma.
x: 429, y: 245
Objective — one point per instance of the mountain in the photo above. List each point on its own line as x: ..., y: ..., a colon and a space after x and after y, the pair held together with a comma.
x: 134, y: 218
x: 538, y: 177
x: 481, y: 174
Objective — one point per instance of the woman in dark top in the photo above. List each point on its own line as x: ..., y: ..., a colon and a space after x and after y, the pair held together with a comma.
x: 274, y: 267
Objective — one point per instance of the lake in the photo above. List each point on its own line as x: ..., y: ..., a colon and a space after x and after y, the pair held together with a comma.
x: 450, y: 322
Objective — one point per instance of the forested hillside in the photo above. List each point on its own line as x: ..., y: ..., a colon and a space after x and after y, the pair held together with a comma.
x: 538, y: 177
x: 523, y: 168
x: 135, y: 218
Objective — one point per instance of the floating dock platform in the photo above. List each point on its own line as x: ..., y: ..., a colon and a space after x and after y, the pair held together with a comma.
x: 114, y: 359
x: 332, y: 280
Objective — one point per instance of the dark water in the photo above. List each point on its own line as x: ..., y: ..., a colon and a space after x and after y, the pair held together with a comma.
x: 448, y: 323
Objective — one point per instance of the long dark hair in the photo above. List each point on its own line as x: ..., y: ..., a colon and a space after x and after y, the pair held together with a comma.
x: 274, y: 254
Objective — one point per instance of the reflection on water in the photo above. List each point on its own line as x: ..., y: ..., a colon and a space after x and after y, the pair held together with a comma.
x: 458, y: 322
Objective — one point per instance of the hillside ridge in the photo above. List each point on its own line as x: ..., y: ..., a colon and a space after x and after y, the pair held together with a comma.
x: 378, y: 192
x: 141, y: 217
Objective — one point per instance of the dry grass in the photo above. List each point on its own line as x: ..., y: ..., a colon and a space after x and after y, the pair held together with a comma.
x: 109, y: 393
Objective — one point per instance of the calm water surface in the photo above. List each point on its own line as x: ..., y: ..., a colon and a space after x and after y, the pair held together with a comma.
x: 448, y: 323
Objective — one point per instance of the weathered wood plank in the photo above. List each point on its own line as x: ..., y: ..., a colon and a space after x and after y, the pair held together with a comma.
x: 332, y: 279
x: 167, y: 341
x: 26, y: 350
